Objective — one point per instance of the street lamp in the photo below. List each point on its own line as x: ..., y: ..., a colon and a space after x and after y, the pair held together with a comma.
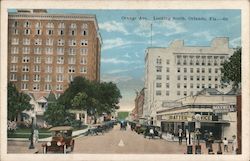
x: 189, y: 139
x: 197, y: 127
x: 32, y: 132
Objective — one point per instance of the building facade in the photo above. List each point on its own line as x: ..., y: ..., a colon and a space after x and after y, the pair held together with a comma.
x: 46, y: 51
x: 178, y: 71
x: 137, y: 112
x: 218, y: 114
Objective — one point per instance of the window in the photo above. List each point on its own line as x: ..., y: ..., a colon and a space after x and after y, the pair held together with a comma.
x: 158, y: 77
x: 14, y: 50
x: 49, y: 51
x: 84, y: 32
x: 24, y: 86
x: 168, y: 61
x: 178, y: 77
x: 25, y: 77
x: 13, y: 77
x: 209, y: 78
x: 38, y: 32
x: 60, y: 32
x: 59, y: 87
x: 49, y: 32
x: 185, y: 85
x: 47, y: 87
x: 72, y: 42
x: 198, y: 86
x: 27, y: 32
x: 203, y: 61
x: 197, y: 60
x: 50, y: 25
x: 59, y: 78
x: 216, y: 86
x: 191, y: 70
x: 36, y: 87
x: 27, y: 24
x: 15, y: 24
x: 167, y: 85
x: 158, y: 93
x: 13, y: 68
x: 185, y: 93
x: 203, y: 78
x: 48, y: 78
x: 59, y: 69
x: 158, y: 69
x: 167, y: 69
x: 178, y: 70
x: 210, y: 86
x: 185, y: 70
x: 49, y: 60
x: 14, y: 59
x: 84, y: 51
x: 83, y: 69
x: 84, y: 43
x: 198, y: 70
x: 60, y: 42
x: 26, y: 59
x: 26, y: 41
x: 191, y: 93
x: 209, y: 61
x: 185, y: 77
x: 71, y: 69
x: 191, y: 85
x: 49, y: 42
x: 72, y: 32
x: 25, y: 68
x: 198, y: 78
x: 158, y: 61
x: 71, y: 60
x: 61, y: 25
x: 215, y: 78
x: 167, y: 93
x: 48, y: 69
x: 37, y: 50
x: 71, y: 78
x: 38, y: 42
x: 167, y: 77
x: 83, y: 60
x: 178, y: 85
x: 37, y: 59
x: 203, y: 86
x: 15, y: 41
x: 191, y: 61
x: 178, y: 93
x: 84, y: 26
x: 37, y: 68
x: 72, y: 51
x: 158, y: 85
x: 15, y: 31
x: 216, y: 70
x: 72, y: 26
x: 191, y: 78
x: 209, y: 70
x: 26, y: 50
x: 60, y: 51
x: 178, y: 61
x: 38, y: 25
x: 60, y: 60
x: 36, y: 78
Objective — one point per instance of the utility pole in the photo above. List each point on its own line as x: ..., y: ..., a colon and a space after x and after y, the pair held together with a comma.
x: 151, y: 28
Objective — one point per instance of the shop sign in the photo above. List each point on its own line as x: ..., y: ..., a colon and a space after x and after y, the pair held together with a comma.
x: 224, y: 108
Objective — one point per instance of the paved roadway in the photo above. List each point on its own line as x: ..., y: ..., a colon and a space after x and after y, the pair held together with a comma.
x: 128, y: 142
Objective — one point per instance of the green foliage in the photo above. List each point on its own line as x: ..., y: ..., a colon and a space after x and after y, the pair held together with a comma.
x: 55, y: 114
x: 96, y: 98
x: 17, y: 102
x: 122, y: 115
x: 231, y: 70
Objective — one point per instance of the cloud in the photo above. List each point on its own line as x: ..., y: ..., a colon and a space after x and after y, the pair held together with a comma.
x: 204, y: 35
x: 118, y: 61
x: 115, y: 79
x: 173, y: 27
x: 113, y: 26
x: 236, y: 42
x: 115, y: 71
x: 113, y: 43
x: 127, y: 55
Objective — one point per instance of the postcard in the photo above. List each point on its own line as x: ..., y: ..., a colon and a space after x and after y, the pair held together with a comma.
x: 125, y: 80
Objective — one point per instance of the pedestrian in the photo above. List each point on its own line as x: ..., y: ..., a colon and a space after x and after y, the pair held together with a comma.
x: 225, y: 143
x: 180, y: 136
x: 151, y: 131
x: 206, y: 134
x: 36, y: 135
x: 210, y: 143
x: 234, y: 145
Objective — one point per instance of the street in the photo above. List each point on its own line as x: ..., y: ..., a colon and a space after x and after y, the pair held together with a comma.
x: 115, y: 141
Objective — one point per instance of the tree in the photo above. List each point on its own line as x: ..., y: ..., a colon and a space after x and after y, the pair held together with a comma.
x: 17, y: 102
x: 55, y: 114
x: 231, y: 70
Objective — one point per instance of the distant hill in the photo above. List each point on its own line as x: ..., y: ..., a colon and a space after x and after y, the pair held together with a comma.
x: 122, y: 115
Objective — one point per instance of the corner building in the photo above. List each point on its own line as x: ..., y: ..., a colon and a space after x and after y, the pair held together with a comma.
x: 178, y: 71
x: 46, y: 51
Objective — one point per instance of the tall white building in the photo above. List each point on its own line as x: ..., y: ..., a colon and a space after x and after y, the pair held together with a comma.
x: 178, y: 71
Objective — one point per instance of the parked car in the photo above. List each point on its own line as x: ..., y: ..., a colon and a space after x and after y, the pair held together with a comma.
x: 156, y: 129
x: 62, y: 140
x: 139, y: 128
x: 96, y: 129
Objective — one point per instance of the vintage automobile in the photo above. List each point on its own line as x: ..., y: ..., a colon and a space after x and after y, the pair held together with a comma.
x: 62, y: 140
x: 156, y: 129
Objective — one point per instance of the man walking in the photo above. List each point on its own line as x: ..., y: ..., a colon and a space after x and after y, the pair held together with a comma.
x: 180, y: 136
x: 225, y: 143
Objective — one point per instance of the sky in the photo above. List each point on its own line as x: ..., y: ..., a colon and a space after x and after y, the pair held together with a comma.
x: 126, y: 34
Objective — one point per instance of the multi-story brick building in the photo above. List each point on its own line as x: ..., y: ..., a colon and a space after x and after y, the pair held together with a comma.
x: 46, y: 51
x: 178, y: 71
